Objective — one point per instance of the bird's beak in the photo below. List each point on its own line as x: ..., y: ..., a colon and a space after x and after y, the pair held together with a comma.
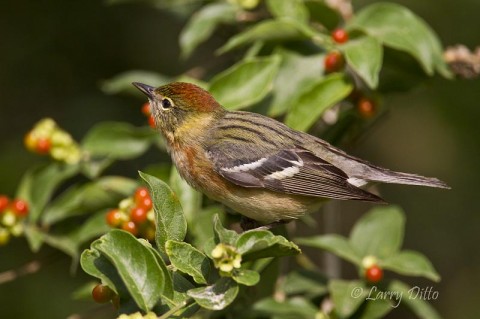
x: 146, y: 89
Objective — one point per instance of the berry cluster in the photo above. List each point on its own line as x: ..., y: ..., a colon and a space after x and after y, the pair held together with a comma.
x: 12, y: 213
x: 148, y: 113
x: 47, y: 138
x: 373, y: 272
x: 135, y: 215
x: 334, y: 60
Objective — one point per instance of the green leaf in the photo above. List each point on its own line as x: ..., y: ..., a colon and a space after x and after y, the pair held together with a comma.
x: 189, y: 260
x: 365, y: 56
x: 38, y: 185
x: 245, y: 83
x: 168, y: 291
x: 217, y: 296
x: 34, y: 237
x: 223, y: 235
x: 201, y: 229
x: 102, y: 193
x: 97, y: 265
x: 91, y: 228
x: 190, y: 199
x: 399, y: 28
x: 376, y: 308
x: 118, y: 140
x: 246, y: 277
x: 169, y: 219
x: 202, y: 24
x: 136, y: 265
x: 269, y: 30
x: 255, y: 244
x: 297, y: 308
x: 122, y: 83
x: 324, y: 14
x: 412, y: 299
x: 411, y: 263
x: 347, y: 296
x: 294, y: 77
x: 335, y: 244
x: 308, y: 283
x: 379, y: 232
x: 322, y: 94
x: 293, y: 9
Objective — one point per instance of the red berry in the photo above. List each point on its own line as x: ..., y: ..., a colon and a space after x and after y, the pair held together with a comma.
x: 340, y: 35
x: 146, y: 109
x: 102, y: 294
x: 114, y: 217
x: 4, y: 201
x: 333, y: 61
x: 366, y: 107
x: 43, y: 145
x: 20, y: 207
x: 138, y: 215
x: 151, y: 121
x: 131, y: 227
x: 140, y: 194
x: 146, y: 204
x: 374, y: 274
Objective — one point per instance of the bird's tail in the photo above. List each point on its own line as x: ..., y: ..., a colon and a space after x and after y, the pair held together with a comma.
x: 380, y: 174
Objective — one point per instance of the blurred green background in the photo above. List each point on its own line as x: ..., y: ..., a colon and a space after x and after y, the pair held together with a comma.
x: 56, y: 53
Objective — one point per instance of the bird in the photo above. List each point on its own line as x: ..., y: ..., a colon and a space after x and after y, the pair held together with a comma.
x: 256, y: 165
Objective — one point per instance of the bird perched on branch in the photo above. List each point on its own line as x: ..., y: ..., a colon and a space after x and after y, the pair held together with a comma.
x: 256, y: 165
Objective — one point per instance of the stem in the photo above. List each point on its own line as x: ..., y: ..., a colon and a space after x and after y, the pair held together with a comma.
x: 332, y: 262
x: 27, y: 269
x: 176, y: 308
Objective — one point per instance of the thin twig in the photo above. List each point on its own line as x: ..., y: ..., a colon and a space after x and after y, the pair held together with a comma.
x: 27, y: 269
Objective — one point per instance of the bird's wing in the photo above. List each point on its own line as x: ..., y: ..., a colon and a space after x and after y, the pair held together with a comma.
x: 295, y: 171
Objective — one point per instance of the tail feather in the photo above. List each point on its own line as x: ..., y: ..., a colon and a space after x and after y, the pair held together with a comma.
x: 379, y: 174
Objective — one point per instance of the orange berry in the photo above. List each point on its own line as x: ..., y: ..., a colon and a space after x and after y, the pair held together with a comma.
x: 366, y: 107
x: 146, y: 203
x: 138, y: 215
x: 102, y: 294
x: 20, y: 207
x: 151, y: 121
x: 114, y: 218
x: 131, y: 227
x: 146, y: 109
x: 43, y: 146
x: 4, y: 201
x: 333, y: 61
x: 340, y: 35
x: 374, y: 274
x: 140, y: 194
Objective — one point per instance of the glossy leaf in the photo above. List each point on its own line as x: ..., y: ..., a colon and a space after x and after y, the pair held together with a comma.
x: 379, y: 232
x: 189, y: 260
x: 347, y: 296
x: 322, y: 94
x: 202, y: 24
x: 102, y: 193
x: 411, y: 263
x: 245, y: 83
x: 118, y: 140
x: 217, y: 296
x: 168, y: 290
x: 169, y: 219
x: 399, y: 28
x: 38, y: 185
x: 335, y: 244
x: 292, y: 9
x: 223, y: 235
x: 246, y: 277
x: 413, y: 300
x: 255, y: 244
x: 365, y: 56
x: 295, y: 76
x: 122, y: 83
x: 136, y: 265
x: 269, y: 30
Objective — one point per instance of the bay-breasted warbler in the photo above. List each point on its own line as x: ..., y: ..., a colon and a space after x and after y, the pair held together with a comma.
x: 256, y: 165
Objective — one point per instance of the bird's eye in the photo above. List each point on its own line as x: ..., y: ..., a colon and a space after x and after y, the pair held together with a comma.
x: 166, y: 103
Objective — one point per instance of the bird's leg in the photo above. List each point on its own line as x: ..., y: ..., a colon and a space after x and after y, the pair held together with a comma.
x: 249, y: 224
